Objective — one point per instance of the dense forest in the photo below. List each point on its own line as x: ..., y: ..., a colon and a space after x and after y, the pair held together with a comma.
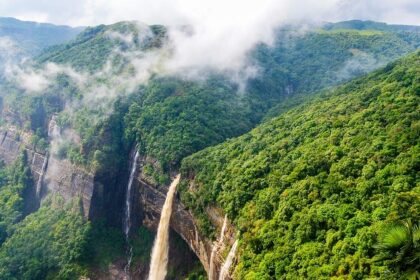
x: 313, y: 191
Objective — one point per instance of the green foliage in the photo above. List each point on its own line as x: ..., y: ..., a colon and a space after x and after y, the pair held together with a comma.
x: 310, y: 189
x: 91, y: 49
x: 14, y: 181
x: 47, y: 244
x: 172, y: 119
x: 105, y: 245
x: 400, y: 244
x: 142, y: 242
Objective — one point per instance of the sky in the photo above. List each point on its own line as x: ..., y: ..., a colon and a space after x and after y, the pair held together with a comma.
x: 216, y: 12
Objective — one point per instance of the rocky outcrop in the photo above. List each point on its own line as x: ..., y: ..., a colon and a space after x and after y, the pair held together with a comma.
x: 151, y: 199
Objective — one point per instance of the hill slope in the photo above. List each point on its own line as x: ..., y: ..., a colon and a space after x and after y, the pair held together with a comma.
x: 311, y: 189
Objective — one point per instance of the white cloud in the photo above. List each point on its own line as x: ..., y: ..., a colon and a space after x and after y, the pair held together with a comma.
x: 93, y: 12
x: 224, y: 30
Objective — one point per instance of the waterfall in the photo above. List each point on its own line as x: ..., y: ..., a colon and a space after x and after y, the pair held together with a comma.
x: 41, y: 177
x: 216, y: 247
x: 127, y: 217
x: 158, y: 265
x: 224, y: 272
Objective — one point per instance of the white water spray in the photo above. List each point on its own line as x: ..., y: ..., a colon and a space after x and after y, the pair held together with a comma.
x: 158, y: 265
x: 127, y: 218
x: 216, y: 247
x: 41, y: 177
x: 224, y: 272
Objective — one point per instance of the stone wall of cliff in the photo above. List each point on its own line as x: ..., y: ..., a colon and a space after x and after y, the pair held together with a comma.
x: 151, y: 198
x: 51, y: 175
x: 101, y: 195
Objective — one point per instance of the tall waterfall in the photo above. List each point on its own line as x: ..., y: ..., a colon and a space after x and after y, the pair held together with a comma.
x: 158, y: 265
x: 224, y: 272
x: 216, y: 247
x: 41, y: 177
x: 127, y: 215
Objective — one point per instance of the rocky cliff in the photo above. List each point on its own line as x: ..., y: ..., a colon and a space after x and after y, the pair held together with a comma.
x: 51, y: 175
x: 60, y: 176
x: 151, y: 198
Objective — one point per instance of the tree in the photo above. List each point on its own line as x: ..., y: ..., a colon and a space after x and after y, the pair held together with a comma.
x: 400, y: 244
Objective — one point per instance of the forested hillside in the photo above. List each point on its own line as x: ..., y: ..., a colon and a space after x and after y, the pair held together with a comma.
x: 314, y: 191
x: 172, y: 117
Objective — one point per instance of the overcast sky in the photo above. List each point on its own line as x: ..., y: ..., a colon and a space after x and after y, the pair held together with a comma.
x: 93, y: 12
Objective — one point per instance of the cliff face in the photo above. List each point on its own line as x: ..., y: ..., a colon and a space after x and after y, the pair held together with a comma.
x: 12, y: 142
x: 150, y: 201
x: 60, y: 176
x: 50, y: 175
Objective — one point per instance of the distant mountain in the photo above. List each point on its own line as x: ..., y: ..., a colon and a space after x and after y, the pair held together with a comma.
x: 32, y: 37
x: 370, y: 25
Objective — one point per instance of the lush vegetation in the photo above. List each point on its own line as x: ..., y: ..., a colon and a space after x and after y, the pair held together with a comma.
x: 15, y: 181
x: 173, y: 118
x: 399, y: 244
x: 311, y: 190
x: 48, y: 244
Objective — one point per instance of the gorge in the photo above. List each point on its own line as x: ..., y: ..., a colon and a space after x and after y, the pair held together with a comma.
x: 117, y: 169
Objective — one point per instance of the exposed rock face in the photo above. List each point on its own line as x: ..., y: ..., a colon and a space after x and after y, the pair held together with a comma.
x: 12, y: 143
x: 151, y: 199
x: 99, y: 192
x: 50, y: 175
x: 69, y: 181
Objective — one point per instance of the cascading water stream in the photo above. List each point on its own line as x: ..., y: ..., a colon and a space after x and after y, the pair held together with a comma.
x: 159, y: 261
x: 127, y: 217
x: 41, y: 177
x: 224, y: 272
x: 216, y: 247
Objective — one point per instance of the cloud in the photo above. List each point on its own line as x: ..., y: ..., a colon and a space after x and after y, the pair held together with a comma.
x: 93, y: 12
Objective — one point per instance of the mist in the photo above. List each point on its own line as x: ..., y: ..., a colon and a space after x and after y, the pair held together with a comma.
x: 221, y: 32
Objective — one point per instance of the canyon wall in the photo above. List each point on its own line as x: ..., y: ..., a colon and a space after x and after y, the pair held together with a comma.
x: 151, y: 198
x: 60, y: 176
x: 50, y: 175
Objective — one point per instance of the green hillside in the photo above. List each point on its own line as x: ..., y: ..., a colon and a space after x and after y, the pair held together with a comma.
x: 313, y: 190
x: 173, y: 118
